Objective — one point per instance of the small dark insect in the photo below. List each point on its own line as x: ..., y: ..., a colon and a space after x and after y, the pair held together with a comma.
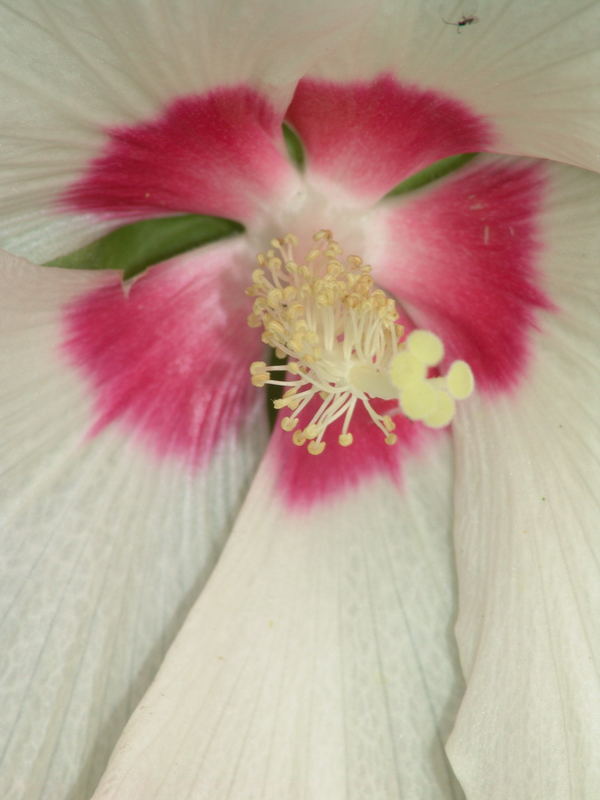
x: 462, y: 22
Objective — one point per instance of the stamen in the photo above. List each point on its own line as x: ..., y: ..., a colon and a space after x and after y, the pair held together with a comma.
x: 345, y: 344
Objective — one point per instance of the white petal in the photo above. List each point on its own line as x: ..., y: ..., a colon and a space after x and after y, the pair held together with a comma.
x: 43, y: 236
x: 104, y: 549
x: 318, y: 662
x: 532, y: 70
x: 527, y: 545
x: 69, y: 71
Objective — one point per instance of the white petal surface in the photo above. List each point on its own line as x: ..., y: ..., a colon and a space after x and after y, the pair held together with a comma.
x: 42, y: 237
x: 318, y: 663
x: 530, y: 69
x: 527, y: 542
x: 103, y: 550
x: 69, y: 70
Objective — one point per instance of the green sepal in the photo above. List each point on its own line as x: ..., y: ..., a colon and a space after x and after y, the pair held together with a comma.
x: 433, y: 172
x: 294, y: 147
x: 135, y: 247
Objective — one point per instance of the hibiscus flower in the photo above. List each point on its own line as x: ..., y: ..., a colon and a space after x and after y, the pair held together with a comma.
x: 319, y: 659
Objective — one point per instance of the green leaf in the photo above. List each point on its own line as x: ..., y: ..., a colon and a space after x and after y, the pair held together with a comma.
x: 431, y: 173
x: 133, y: 248
x: 294, y: 146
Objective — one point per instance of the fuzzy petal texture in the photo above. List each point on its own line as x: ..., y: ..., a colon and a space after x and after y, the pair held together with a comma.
x: 527, y: 544
x: 108, y: 531
x: 218, y: 153
x: 79, y: 79
x: 319, y: 660
x: 366, y: 136
x: 463, y: 256
x: 304, y: 483
x: 522, y: 79
x: 166, y: 357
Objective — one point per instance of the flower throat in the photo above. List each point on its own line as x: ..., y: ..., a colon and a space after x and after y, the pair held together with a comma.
x: 345, y: 345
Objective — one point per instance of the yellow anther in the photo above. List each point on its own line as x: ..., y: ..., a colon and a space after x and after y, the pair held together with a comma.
x: 316, y: 448
x: 260, y: 379
x: 275, y: 297
x: 322, y: 310
x: 311, y: 431
x: 298, y: 437
x: 254, y: 321
x: 275, y: 328
x: 295, y: 310
x: 289, y: 423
